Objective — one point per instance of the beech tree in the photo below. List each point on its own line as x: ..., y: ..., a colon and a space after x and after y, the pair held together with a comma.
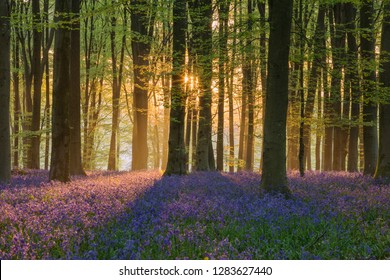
x: 5, y: 89
x: 370, y: 133
x: 59, y: 164
x: 274, y: 177
x: 383, y: 166
x: 201, y: 15
x: 116, y: 89
x: 352, y: 86
x: 142, y: 21
x: 34, y: 160
x: 176, y: 146
x: 76, y: 167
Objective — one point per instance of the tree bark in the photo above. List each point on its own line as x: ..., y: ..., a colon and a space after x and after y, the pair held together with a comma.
x: 383, y: 167
x: 34, y: 160
x: 318, y: 54
x: 250, y: 84
x: 16, y: 105
x: 116, y: 87
x: 202, y: 23
x: 274, y: 177
x: 367, y: 41
x: 338, y: 52
x: 76, y: 167
x: 5, y: 89
x: 176, y: 146
x: 263, y: 63
x: 353, y: 83
x: 223, y: 12
x: 59, y: 165
x: 140, y: 45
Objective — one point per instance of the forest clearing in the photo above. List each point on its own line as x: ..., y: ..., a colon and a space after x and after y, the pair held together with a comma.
x: 205, y: 215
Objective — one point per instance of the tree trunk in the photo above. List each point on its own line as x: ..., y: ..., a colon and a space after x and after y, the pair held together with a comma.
x: 5, y: 89
x: 383, y: 167
x: 263, y: 64
x: 250, y: 83
x: 176, y: 146
x: 353, y: 76
x: 140, y: 45
x: 223, y: 12
x: 47, y: 114
x: 338, y: 52
x: 202, y: 20
x: 76, y: 167
x: 319, y: 131
x: 367, y: 41
x: 59, y: 165
x: 34, y: 161
x: 47, y: 93
x: 116, y: 86
x: 318, y: 52
x: 16, y: 103
x: 274, y: 177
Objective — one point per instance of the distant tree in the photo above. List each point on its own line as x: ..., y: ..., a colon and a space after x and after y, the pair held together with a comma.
x: 383, y: 167
x: 274, y: 177
x: 318, y: 53
x: 176, y: 146
x: 117, y: 71
x: 59, y: 165
x: 5, y: 89
x: 338, y: 53
x: 94, y: 56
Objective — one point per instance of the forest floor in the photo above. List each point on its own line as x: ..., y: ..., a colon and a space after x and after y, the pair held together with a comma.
x: 205, y: 215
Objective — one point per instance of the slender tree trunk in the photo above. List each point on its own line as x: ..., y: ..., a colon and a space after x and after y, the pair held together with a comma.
x: 274, y: 177
x: 338, y: 52
x: 34, y: 161
x: 250, y: 83
x: 27, y: 102
x: 293, y: 116
x: 230, y: 91
x: 244, y: 104
x: 223, y: 12
x: 263, y: 64
x: 76, y: 167
x: 353, y: 75
x: 328, y: 137
x: 166, y: 91
x: 59, y: 165
x: 383, y: 167
x: 165, y: 84
x: 318, y: 130
x: 116, y: 86
x: 47, y: 93
x: 318, y: 51
x: 47, y: 113
x: 5, y: 89
x: 16, y: 103
x: 177, y: 153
